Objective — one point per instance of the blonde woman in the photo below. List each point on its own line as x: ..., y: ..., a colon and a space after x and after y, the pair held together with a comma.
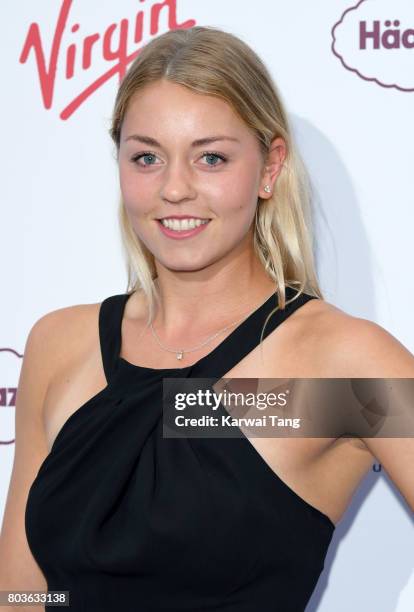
x: 215, y: 220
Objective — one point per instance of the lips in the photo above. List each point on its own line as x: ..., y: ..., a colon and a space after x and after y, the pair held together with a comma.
x: 179, y: 217
x: 185, y: 224
x: 178, y: 234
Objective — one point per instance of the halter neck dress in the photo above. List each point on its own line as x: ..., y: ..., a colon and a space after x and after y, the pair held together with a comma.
x: 128, y: 520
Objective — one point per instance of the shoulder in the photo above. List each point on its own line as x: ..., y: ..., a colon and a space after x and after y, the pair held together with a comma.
x: 58, y: 333
x: 342, y: 345
x: 59, y: 318
x: 52, y: 339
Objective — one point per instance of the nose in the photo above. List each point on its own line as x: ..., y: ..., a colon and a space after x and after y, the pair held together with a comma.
x: 177, y: 185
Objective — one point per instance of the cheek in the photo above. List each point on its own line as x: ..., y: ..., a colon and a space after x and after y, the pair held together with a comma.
x: 126, y: 183
x: 134, y: 192
x: 242, y: 189
x: 242, y: 200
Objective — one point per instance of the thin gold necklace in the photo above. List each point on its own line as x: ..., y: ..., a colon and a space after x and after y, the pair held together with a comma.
x: 179, y: 353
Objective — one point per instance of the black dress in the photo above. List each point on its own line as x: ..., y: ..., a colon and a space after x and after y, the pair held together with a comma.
x: 129, y: 520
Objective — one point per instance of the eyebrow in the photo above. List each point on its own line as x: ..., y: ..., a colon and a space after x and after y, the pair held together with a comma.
x: 196, y: 143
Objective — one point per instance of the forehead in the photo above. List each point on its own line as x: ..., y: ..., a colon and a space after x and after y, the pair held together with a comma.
x: 169, y: 109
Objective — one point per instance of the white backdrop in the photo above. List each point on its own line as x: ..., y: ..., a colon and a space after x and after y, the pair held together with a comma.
x: 347, y: 79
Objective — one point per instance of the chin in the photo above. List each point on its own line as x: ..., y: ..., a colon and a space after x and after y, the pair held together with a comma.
x: 189, y: 263
x: 190, y: 267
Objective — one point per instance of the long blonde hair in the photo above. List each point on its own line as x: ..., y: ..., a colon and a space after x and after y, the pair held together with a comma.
x: 211, y: 61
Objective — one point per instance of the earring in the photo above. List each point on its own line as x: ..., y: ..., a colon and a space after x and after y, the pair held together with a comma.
x: 267, y: 189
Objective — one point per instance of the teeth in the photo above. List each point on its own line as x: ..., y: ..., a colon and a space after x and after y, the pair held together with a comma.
x: 183, y: 224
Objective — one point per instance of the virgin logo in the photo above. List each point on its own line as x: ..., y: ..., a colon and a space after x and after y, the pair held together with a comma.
x: 375, y: 40
x: 111, y: 46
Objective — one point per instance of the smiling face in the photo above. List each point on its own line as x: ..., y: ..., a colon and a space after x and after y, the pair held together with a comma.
x: 165, y: 173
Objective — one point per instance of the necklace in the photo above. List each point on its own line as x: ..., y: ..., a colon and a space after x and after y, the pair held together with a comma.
x: 179, y: 353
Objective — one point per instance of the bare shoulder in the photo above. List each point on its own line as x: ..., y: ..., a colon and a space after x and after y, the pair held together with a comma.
x: 55, y: 339
x: 77, y: 373
x: 63, y: 338
x: 65, y: 327
x: 342, y: 345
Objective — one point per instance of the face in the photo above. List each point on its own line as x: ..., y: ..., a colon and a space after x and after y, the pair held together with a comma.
x: 165, y: 173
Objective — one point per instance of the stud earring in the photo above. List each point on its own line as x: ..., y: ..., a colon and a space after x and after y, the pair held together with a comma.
x: 267, y: 189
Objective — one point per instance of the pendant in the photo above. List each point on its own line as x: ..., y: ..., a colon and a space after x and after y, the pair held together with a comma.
x: 180, y: 354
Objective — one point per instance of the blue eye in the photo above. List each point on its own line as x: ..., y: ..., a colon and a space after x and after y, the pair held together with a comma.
x: 216, y: 155
x: 135, y: 158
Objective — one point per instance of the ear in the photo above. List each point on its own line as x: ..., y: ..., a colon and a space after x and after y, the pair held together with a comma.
x: 272, y: 167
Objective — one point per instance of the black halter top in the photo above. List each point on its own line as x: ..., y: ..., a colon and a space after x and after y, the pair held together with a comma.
x: 126, y: 519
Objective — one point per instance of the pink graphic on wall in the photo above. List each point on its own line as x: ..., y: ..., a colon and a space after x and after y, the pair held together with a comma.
x: 375, y: 40
x: 10, y: 364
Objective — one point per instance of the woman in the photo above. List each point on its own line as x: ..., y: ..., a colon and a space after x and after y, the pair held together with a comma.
x: 117, y: 514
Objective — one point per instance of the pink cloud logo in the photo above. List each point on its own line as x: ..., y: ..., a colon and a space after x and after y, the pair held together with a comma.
x: 10, y: 364
x: 375, y: 40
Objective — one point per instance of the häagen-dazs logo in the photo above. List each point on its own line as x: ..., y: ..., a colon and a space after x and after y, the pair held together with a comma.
x: 72, y: 52
x: 10, y: 364
x: 375, y: 40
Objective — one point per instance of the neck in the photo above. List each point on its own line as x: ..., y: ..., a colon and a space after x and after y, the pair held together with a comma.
x: 195, y: 304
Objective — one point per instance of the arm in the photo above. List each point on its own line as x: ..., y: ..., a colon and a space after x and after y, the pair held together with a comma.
x: 18, y: 568
x: 366, y: 350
